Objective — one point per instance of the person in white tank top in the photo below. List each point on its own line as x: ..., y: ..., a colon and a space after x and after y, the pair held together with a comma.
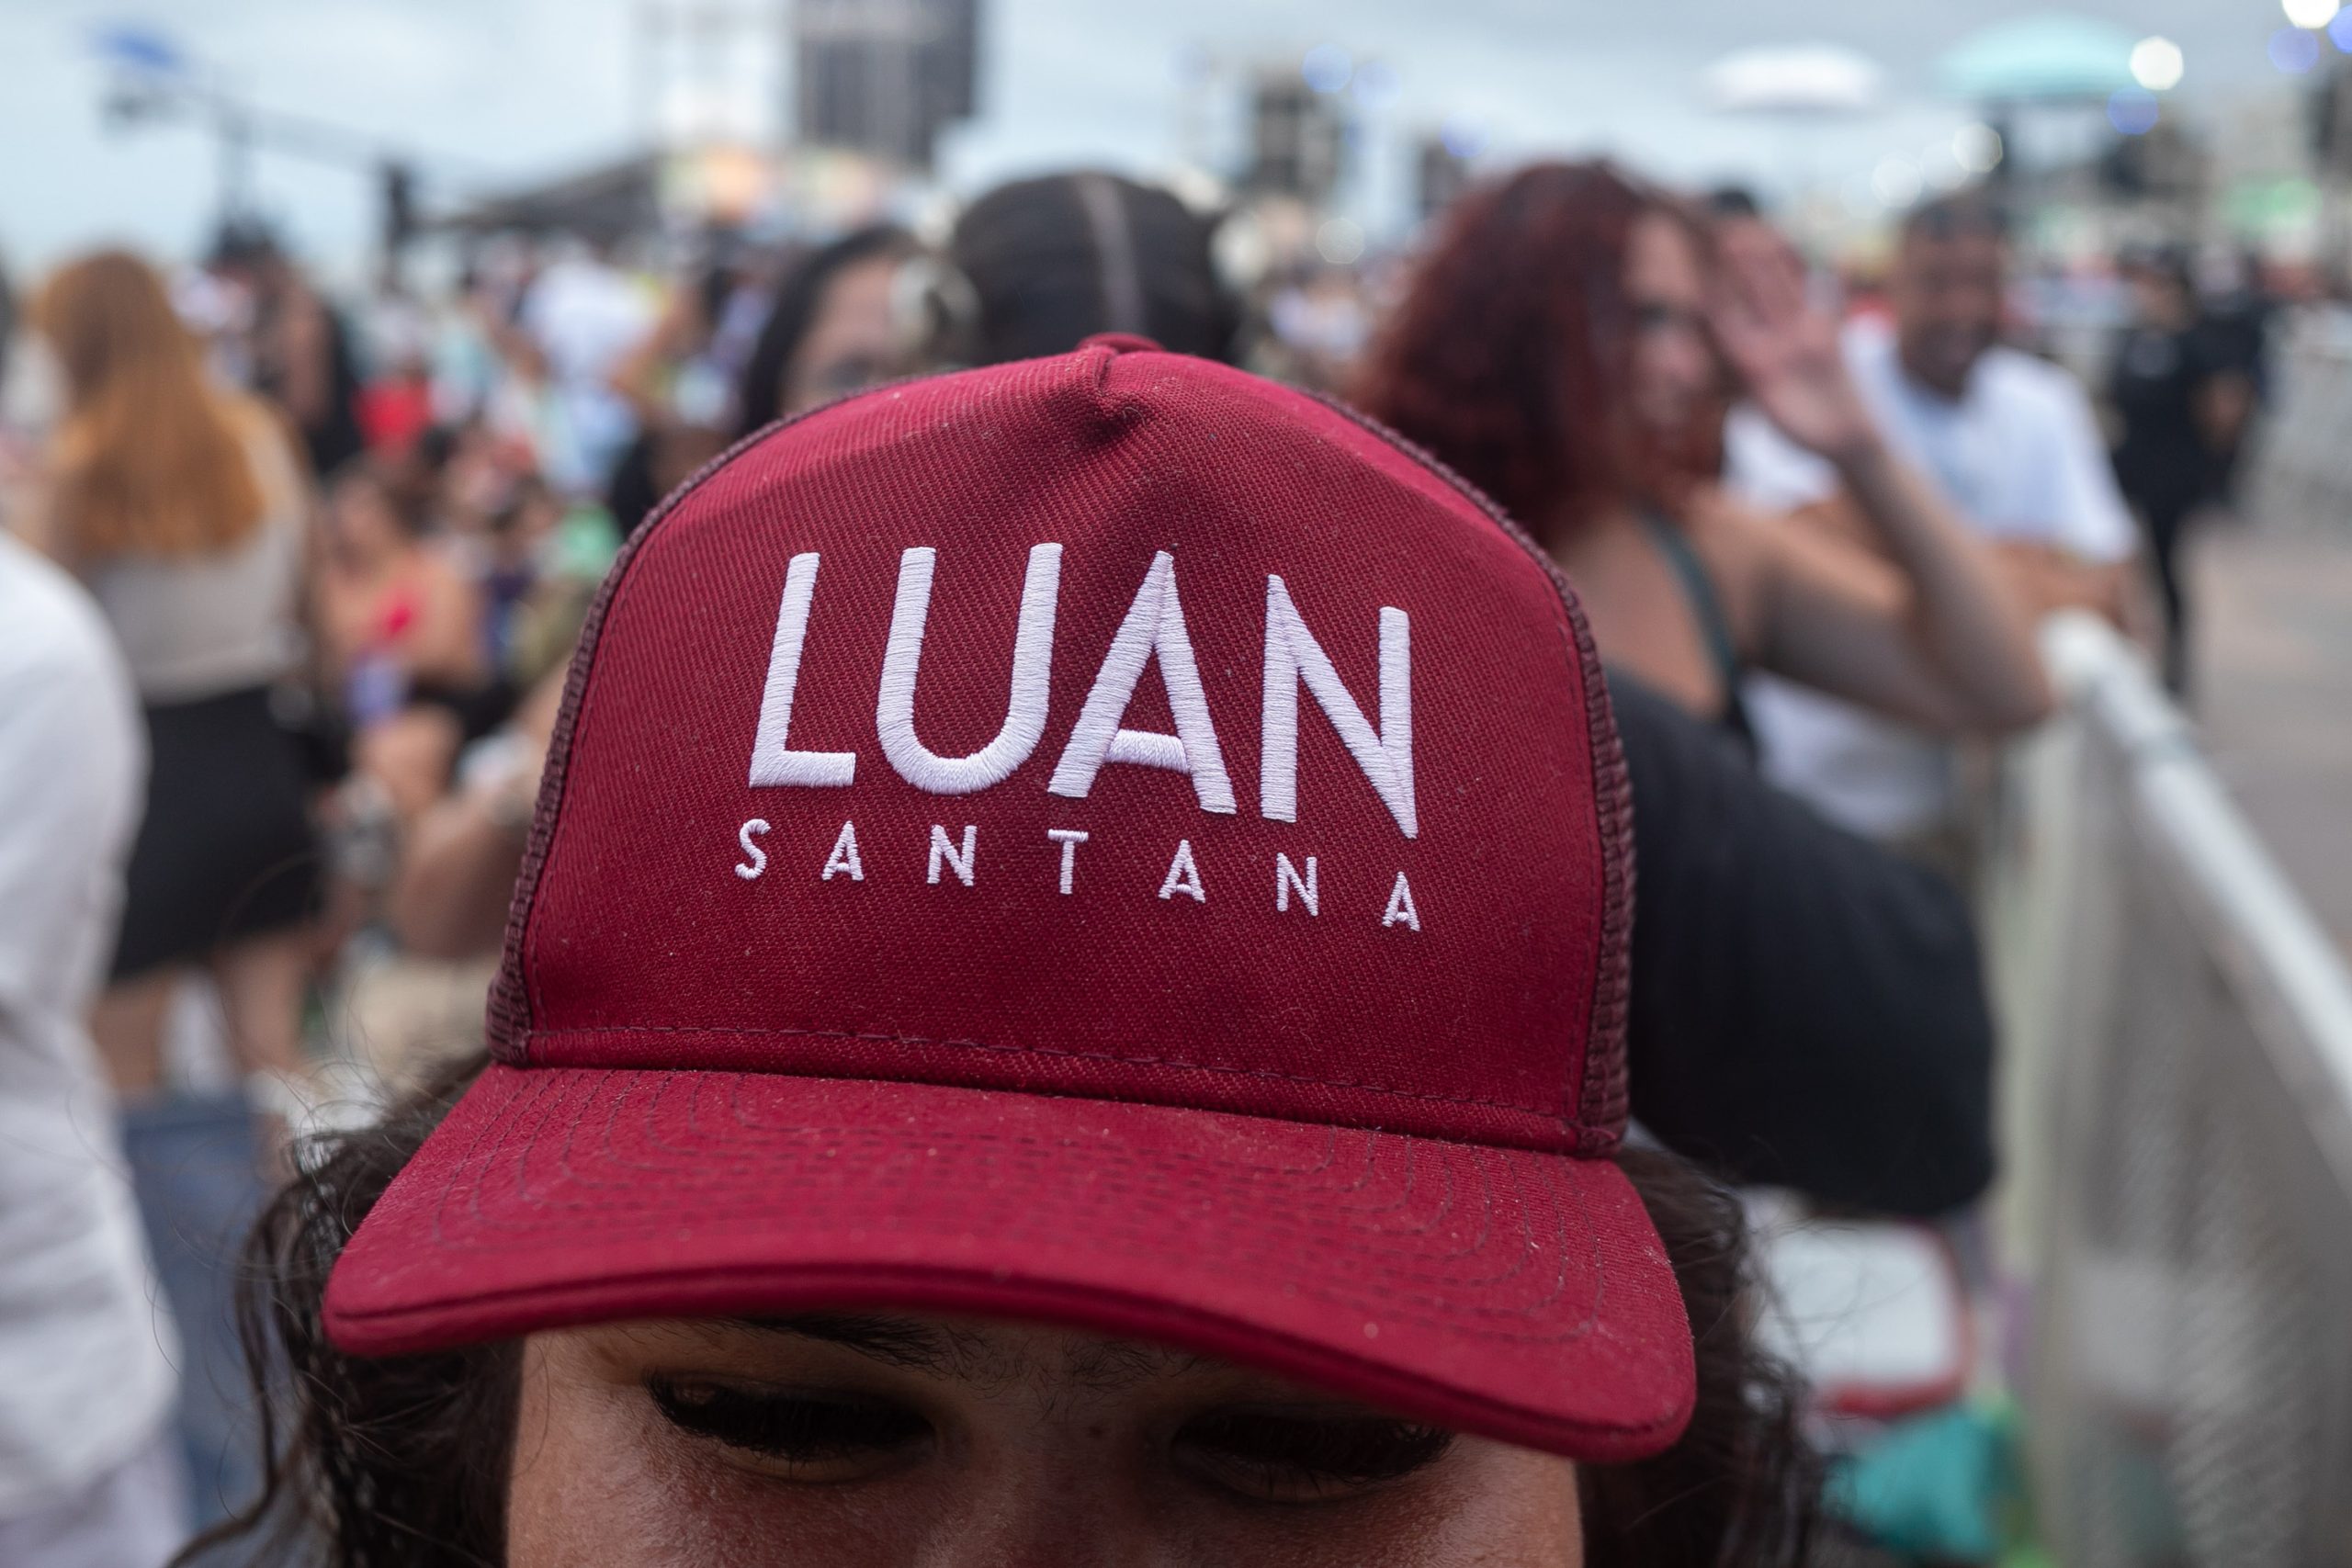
x: 197, y: 627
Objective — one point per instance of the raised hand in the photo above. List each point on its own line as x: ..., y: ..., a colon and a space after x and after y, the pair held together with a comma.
x: 1783, y: 348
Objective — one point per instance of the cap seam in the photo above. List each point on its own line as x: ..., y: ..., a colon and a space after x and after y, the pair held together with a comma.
x: 1447, y: 1393
x: 537, y: 1110
x: 513, y: 999
x: 1544, y: 1113
x: 1411, y: 1287
x: 1602, y: 1108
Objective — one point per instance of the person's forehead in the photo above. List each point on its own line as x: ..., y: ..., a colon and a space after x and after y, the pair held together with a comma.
x: 867, y: 281
x: 854, y: 310
x: 1662, y: 248
x: 1924, y: 250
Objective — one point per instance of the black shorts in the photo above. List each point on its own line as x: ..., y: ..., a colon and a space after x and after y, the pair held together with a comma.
x: 226, y: 851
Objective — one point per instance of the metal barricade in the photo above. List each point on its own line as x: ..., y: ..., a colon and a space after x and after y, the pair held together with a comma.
x: 2177, y: 1110
x: 2296, y: 476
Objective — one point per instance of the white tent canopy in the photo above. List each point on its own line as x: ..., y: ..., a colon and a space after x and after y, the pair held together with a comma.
x: 1795, y: 79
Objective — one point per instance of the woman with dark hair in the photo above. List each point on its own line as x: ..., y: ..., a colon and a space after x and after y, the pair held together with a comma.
x: 1053, y: 260
x: 681, y: 382
x: 1097, y: 1124
x: 836, y: 326
x: 1564, y: 346
x: 398, y: 620
x: 298, y: 346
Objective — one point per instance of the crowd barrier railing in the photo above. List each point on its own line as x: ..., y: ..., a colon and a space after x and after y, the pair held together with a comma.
x: 2176, y: 1107
x: 2296, y: 475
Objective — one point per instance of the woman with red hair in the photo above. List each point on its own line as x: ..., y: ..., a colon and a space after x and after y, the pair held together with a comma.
x: 183, y: 506
x: 1564, y: 347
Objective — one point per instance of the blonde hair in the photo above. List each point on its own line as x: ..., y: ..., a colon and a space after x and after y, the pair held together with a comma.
x: 149, y: 459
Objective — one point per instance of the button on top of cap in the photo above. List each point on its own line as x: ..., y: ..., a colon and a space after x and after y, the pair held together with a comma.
x: 1122, y: 343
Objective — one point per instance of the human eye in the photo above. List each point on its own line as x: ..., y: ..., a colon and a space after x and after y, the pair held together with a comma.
x: 1303, y: 1455
x: 799, y: 1434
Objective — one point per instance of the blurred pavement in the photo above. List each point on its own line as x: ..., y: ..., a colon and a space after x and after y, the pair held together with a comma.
x: 2274, y: 695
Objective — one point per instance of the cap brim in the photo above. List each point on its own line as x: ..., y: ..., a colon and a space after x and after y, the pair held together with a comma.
x: 1508, y: 1293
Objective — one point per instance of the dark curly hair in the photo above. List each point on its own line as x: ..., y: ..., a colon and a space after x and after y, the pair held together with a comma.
x: 1058, y: 258
x: 1509, y: 355
x: 401, y: 1462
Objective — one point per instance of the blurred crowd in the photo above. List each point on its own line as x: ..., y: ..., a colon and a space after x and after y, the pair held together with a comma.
x: 343, y: 548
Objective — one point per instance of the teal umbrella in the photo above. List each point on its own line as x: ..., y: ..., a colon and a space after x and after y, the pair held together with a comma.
x: 2050, y: 55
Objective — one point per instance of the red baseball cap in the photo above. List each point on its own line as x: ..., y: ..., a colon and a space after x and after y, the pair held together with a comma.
x: 1107, y: 840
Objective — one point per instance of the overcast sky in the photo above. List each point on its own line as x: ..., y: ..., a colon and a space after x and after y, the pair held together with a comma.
x: 513, y: 89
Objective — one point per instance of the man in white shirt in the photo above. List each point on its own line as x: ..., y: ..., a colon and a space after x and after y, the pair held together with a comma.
x: 583, y: 314
x: 91, y: 1475
x: 2013, y: 444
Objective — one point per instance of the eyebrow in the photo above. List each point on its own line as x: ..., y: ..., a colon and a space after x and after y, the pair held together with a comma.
x: 894, y: 1341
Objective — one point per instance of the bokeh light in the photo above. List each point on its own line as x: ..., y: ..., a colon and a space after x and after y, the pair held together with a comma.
x: 2307, y: 14
x: 1338, y: 241
x: 2339, y: 32
x: 1375, y: 85
x: 2131, y: 111
x: 1463, y: 137
x: 1895, y: 181
x: 1978, y: 147
x: 1327, y: 67
x: 2157, y: 64
x: 1941, y: 168
x: 2294, y: 51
